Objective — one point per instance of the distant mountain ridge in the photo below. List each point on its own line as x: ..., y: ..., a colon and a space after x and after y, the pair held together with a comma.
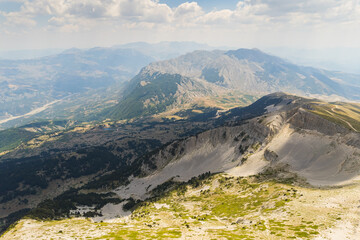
x: 165, y: 50
x: 250, y: 70
x: 165, y: 85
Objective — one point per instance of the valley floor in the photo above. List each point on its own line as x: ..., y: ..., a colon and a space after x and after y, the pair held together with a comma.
x: 33, y: 112
x: 218, y: 207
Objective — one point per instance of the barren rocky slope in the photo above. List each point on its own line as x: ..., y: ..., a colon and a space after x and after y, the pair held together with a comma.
x: 279, y: 138
x: 287, y: 137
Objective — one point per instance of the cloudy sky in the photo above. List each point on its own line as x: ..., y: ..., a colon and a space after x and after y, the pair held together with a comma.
x: 29, y: 24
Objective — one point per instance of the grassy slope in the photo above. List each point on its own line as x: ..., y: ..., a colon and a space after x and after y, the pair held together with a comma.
x: 32, y: 134
x: 345, y: 114
x: 208, y: 103
x: 13, y: 137
x: 156, y: 94
x: 220, y: 207
x: 159, y: 92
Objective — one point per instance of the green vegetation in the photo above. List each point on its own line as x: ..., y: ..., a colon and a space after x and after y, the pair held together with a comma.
x: 210, y: 206
x: 60, y: 206
x: 161, y: 233
x: 13, y: 137
x: 9, y: 222
x: 149, y: 99
x: 14, y: 172
x: 234, y: 201
x: 233, y: 99
x: 93, y: 160
x: 280, y: 175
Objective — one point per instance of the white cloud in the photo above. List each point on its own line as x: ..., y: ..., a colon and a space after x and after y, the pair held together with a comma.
x: 151, y: 11
x: 188, y: 11
x: 294, y: 10
x: 88, y: 9
x: 69, y: 28
x: 258, y: 18
x: 142, y: 10
x: 16, y: 19
x: 44, y: 7
x: 57, y: 21
x: 283, y: 7
x: 218, y: 17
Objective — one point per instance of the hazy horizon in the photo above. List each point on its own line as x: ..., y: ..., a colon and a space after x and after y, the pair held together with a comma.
x: 345, y: 59
x: 320, y: 33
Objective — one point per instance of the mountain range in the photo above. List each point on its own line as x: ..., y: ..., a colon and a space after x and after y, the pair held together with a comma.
x: 129, y: 166
x: 166, y: 85
x: 253, y: 71
x: 79, y: 84
x: 75, y: 83
x: 204, y: 145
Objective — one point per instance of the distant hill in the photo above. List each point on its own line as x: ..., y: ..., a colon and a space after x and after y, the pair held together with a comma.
x: 149, y: 94
x: 28, y: 54
x: 165, y: 50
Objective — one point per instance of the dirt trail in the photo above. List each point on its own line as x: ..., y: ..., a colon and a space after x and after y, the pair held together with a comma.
x: 349, y: 124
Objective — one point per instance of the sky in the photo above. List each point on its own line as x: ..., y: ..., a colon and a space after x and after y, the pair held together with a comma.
x: 40, y: 24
